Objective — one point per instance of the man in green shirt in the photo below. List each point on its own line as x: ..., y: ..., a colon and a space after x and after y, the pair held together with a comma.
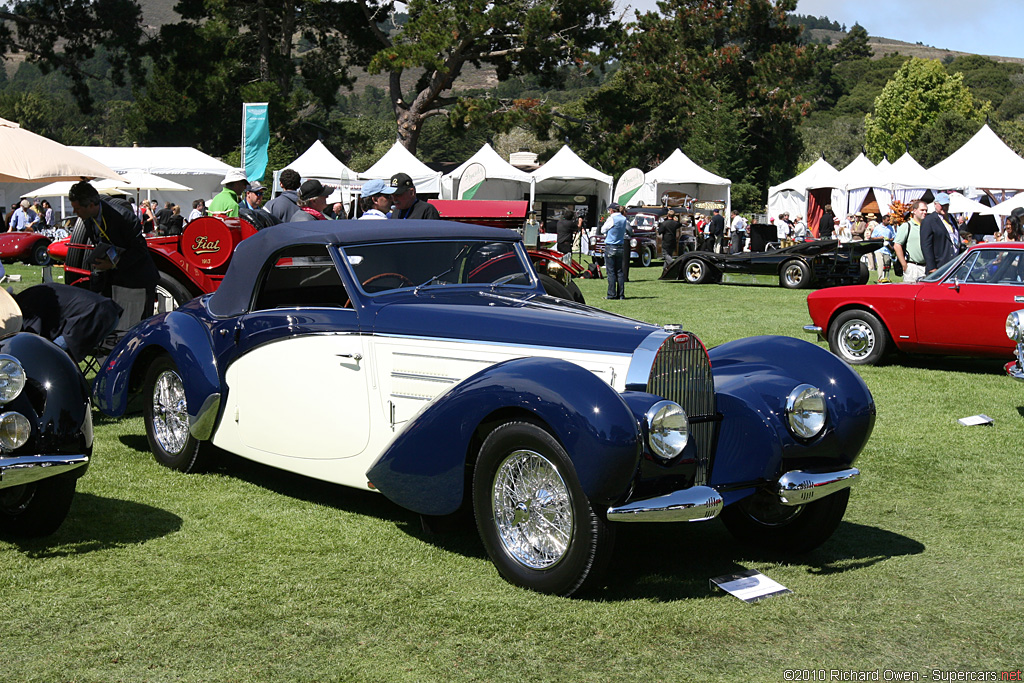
x: 226, y: 203
x: 908, y: 243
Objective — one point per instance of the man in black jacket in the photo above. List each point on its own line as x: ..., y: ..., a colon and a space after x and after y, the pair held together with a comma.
x: 407, y: 204
x: 827, y: 224
x: 717, y: 229
x: 124, y: 271
x: 940, y: 238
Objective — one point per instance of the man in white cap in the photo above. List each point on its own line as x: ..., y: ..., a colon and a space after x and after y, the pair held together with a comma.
x: 375, y: 200
x: 226, y: 202
x: 940, y: 238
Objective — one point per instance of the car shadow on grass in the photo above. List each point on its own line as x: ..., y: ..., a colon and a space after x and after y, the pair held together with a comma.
x: 100, y: 523
x: 972, y: 366
x: 676, y: 562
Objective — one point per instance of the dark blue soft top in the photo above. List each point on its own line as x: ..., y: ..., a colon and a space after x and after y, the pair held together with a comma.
x: 235, y: 292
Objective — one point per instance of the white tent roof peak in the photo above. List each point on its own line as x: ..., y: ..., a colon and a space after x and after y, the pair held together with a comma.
x: 496, y: 166
x: 503, y: 180
x: 861, y: 173
x: 157, y: 160
x: 907, y: 173
x: 983, y: 161
x: 398, y: 159
x: 567, y: 165
x: 318, y: 162
x: 679, y: 168
x: 819, y: 174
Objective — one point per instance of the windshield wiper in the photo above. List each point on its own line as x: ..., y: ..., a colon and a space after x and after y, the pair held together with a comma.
x: 436, y: 278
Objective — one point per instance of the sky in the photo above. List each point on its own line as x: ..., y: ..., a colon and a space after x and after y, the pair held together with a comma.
x: 984, y: 27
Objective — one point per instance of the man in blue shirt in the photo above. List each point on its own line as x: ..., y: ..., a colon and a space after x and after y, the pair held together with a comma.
x: 615, y: 230
x: 23, y: 217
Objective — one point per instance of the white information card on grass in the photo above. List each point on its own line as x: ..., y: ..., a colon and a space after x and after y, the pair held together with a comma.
x: 749, y: 586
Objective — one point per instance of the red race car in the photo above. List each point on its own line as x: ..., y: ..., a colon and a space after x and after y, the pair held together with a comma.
x: 960, y: 309
x: 29, y: 247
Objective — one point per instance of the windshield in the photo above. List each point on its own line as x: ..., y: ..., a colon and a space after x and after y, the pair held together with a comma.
x: 939, y: 272
x: 438, y: 263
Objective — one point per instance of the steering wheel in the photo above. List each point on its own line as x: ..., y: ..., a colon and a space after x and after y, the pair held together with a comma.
x: 398, y: 276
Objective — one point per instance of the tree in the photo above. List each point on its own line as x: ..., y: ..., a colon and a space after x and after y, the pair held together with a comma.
x: 912, y: 102
x: 717, y: 78
x: 515, y: 37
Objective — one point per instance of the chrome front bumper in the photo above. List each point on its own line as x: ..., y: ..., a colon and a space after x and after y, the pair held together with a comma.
x: 701, y: 503
x: 1015, y: 369
x: 25, y: 469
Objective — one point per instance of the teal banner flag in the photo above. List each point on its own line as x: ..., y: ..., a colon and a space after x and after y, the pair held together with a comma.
x: 255, y: 139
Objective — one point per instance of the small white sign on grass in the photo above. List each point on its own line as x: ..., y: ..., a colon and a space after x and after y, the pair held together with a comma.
x: 749, y: 585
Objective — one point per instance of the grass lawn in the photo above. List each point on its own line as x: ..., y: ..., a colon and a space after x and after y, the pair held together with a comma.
x: 250, y: 574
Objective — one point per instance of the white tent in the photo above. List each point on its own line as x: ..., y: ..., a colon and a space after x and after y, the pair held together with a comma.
x: 984, y: 161
x: 318, y: 162
x: 853, y: 183
x: 503, y: 181
x: 1007, y: 207
x: 791, y: 196
x: 400, y: 160
x: 679, y: 174
x: 909, y: 179
x: 567, y: 174
x: 184, y: 165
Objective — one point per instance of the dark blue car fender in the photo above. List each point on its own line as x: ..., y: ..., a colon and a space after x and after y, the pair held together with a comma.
x: 423, y: 469
x: 753, y: 377
x: 177, y: 334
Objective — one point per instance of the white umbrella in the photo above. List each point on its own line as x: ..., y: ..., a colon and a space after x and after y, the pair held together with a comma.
x: 961, y: 204
x: 25, y: 156
x: 61, y: 188
x: 141, y: 180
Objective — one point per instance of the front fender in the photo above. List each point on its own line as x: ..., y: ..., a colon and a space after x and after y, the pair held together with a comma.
x: 178, y: 334
x: 589, y: 418
x: 753, y: 377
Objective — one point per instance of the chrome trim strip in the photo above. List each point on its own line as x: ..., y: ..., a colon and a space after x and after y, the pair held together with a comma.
x: 411, y: 396
x: 201, y: 426
x: 695, y: 504
x: 426, y: 378
x: 26, y: 469
x: 503, y: 344
x: 407, y: 354
x: 643, y: 359
x: 800, y: 487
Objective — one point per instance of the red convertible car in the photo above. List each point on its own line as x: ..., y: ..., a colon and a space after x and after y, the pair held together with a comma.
x: 958, y: 309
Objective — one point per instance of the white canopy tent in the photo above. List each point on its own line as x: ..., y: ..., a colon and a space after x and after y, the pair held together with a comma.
x: 793, y: 195
x: 503, y: 180
x: 853, y: 183
x: 318, y: 162
x: 909, y: 179
x: 679, y: 174
x: 984, y: 161
x: 400, y: 160
x: 567, y: 174
x: 1004, y: 209
x: 184, y: 165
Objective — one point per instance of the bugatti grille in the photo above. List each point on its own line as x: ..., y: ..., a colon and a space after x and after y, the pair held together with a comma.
x: 682, y: 373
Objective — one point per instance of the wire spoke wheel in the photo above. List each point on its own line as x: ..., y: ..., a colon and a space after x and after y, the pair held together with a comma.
x: 170, y: 412
x: 532, y: 510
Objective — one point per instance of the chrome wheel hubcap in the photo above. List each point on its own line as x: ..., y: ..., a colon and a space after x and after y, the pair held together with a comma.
x: 170, y: 413
x: 856, y: 339
x: 694, y: 271
x: 794, y: 275
x: 532, y: 510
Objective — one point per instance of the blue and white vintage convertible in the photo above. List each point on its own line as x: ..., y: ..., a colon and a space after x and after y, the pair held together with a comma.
x: 422, y: 359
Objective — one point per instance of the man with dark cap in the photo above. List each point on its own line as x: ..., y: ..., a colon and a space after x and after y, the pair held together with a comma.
x: 122, y: 267
x: 407, y: 204
x: 312, y: 201
x: 283, y: 206
x: 940, y: 238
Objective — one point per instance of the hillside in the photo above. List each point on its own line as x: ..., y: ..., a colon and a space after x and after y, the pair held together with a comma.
x: 885, y: 46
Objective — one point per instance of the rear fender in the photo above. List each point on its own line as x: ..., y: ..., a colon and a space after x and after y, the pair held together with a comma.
x: 177, y: 334
x: 753, y: 377
x: 424, y: 467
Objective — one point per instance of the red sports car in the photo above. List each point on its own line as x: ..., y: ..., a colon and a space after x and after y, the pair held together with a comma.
x: 959, y: 309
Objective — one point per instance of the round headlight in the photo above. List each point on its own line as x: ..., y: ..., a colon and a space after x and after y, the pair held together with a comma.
x: 14, y: 431
x: 633, y: 243
x: 668, y: 429
x: 805, y: 411
x: 1015, y: 326
x: 12, y: 378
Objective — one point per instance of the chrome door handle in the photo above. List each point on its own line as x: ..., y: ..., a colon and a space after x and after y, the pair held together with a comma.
x: 1018, y: 299
x: 353, y: 356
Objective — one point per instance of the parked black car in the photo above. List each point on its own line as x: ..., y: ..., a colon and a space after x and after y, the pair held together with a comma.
x: 45, y: 434
x: 823, y: 263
